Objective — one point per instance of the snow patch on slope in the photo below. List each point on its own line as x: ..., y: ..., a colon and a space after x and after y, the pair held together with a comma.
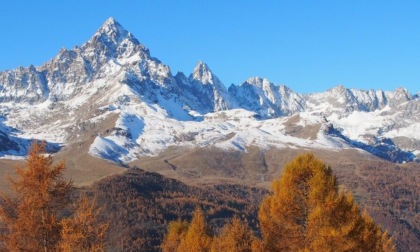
x: 113, y: 75
x: 235, y: 129
x: 411, y: 131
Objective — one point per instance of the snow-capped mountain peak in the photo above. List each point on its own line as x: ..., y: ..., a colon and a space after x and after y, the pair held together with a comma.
x: 258, y: 82
x: 112, y: 31
x: 212, y: 92
x: 110, y: 26
x: 202, y: 73
x: 112, y: 41
x: 110, y: 88
x: 266, y: 98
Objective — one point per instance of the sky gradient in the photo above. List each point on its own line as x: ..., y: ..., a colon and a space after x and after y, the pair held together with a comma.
x: 310, y: 46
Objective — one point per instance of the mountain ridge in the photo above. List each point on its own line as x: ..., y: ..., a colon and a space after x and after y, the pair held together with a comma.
x: 114, y: 75
x: 109, y: 105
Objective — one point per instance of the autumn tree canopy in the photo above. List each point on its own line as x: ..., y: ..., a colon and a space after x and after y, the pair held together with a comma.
x: 83, y: 231
x: 192, y: 237
x: 31, y: 214
x: 307, y: 212
x: 235, y: 237
x: 198, y: 236
x: 176, y: 232
x: 31, y: 219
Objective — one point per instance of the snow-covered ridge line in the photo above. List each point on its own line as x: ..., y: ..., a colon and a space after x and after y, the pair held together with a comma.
x: 112, y: 89
x: 112, y: 48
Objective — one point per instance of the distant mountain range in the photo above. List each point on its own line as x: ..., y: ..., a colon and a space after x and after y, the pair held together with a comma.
x: 111, y: 93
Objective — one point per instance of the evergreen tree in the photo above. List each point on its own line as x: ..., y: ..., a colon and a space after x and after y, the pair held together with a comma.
x: 83, y: 231
x: 198, y: 237
x: 176, y: 231
x: 31, y: 217
x: 307, y: 212
x: 235, y: 237
x: 184, y: 237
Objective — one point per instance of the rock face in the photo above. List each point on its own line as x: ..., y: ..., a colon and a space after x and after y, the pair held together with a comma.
x: 112, y: 90
x: 267, y: 99
x: 202, y: 91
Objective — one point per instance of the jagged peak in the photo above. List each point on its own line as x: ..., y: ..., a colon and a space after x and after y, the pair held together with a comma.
x: 201, y: 67
x: 286, y: 89
x: 401, y: 90
x: 110, y: 21
x: 201, y: 64
x: 202, y: 73
x: 180, y: 74
x: 402, y: 93
x: 112, y: 33
x: 111, y: 28
x: 339, y: 88
x: 258, y: 81
x: 264, y: 83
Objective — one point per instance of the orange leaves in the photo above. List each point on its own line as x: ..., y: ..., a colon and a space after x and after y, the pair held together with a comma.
x: 198, y: 237
x: 307, y: 213
x: 32, y: 219
x: 176, y: 232
x: 193, y: 237
x: 40, y: 190
x: 235, y: 237
x: 83, y: 231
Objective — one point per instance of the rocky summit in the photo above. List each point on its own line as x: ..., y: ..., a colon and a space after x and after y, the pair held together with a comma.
x: 111, y: 94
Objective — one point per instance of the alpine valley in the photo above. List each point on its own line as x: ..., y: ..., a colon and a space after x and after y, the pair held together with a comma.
x: 108, y: 106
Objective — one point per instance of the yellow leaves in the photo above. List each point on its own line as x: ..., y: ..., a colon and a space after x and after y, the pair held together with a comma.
x: 32, y: 218
x: 235, y: 237
x: 198, y: 237
x: 387, y: 244
x: 83, y: 231
x: 306, y: 212
x: 176, y: 232
x: 184, y: 237
x: 40, y: 190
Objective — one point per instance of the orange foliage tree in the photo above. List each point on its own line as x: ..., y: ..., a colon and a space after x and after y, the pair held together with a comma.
x: 235, y: 237
x: 195, y: 237
x: 31, y: 217
x: 307, y: 212
x: 198, y: 237
x: 83, y: 231
x: 176, y: 232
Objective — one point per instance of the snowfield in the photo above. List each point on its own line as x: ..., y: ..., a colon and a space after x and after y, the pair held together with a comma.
x: 111, y: 93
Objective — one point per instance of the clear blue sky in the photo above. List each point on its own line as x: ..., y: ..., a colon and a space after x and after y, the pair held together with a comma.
x: 309, y: 46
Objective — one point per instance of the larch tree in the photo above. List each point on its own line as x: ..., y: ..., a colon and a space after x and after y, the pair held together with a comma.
x: 31, y: 218
x: 83, y: 231
x: 235, y: 237
x: 307, y: 212
x: 176, y: 232
x: 198, y: 236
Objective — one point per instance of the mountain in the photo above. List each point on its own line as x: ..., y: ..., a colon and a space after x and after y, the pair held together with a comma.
x: 267, y: 99
x: 109, y: 104
x: 202, y: 91
x: 136, y: 107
